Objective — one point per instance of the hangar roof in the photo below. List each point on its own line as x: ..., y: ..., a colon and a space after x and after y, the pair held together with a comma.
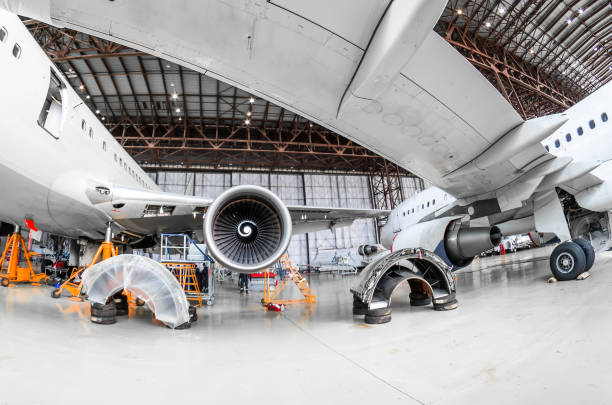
x: 543, y: 55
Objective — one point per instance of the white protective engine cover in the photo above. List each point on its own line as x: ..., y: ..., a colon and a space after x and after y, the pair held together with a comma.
x: 145, y: 278
x: 426, y: 235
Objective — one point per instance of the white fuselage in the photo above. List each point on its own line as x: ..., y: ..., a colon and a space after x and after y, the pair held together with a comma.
x: 585, y: 137
x: 44, y: 172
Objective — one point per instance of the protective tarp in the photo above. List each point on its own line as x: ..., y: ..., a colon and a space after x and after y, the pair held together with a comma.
x: 143, y: 277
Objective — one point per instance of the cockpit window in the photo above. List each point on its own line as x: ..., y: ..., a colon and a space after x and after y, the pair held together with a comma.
x: 604, y: 117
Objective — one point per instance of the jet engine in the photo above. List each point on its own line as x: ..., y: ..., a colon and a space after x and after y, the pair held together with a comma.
x: 463, y: 243
x: 454, y: 242
x: 368, y: 250
x: 247, y: 228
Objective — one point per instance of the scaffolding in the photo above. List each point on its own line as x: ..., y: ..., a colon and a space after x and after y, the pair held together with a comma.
x: 180, y: 254
x: 293, y: 275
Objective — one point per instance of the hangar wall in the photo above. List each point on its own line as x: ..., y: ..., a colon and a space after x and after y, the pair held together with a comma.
x: 333, y: 190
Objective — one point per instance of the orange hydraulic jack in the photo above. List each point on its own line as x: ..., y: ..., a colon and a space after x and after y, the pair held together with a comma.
x: 292, y: 275
x: 73, y: 285
x: 11, y: 272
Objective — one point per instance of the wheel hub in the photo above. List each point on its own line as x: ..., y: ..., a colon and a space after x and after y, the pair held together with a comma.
x: 565, y: 263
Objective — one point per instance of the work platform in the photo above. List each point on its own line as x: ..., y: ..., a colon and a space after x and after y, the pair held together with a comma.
x: 514, y: 339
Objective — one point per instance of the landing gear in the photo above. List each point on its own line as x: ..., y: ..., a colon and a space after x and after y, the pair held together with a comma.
x: 589, y: 252
x: 568, y: 261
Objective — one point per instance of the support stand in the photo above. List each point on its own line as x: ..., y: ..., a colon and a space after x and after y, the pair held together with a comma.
x: 292, y: 275
x: 73, y: 284
x: 10, y: 272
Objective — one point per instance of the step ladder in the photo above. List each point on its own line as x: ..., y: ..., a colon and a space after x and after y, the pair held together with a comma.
x: 180, y: 254
x: 293, y: 275
x: 185, y: 273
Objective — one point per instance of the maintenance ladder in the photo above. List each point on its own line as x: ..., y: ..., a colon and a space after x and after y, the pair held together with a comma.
x: 293, y: 275
x: 180, y: 254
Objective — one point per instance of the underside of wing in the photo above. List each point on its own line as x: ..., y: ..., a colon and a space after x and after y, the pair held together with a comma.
x: 312, y: 219
x: 375, y: 72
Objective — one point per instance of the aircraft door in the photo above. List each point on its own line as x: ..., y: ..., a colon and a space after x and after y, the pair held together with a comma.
x: 50, y: 117
x: 395, y: 221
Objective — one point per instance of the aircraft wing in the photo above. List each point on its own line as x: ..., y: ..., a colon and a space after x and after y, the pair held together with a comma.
x: 371, y: 70
x: 147, y: 212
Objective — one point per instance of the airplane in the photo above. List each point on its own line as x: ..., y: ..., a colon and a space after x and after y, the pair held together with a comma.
x: 63, y: 172
x: 376, y: 73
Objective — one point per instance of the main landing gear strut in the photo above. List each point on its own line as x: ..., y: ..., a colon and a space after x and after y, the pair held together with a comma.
x: 571, y: 258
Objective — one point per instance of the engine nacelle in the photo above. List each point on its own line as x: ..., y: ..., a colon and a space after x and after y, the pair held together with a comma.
x: 368, y: 250
x: 463, y: 243
x: 448, y: 238
x: 247, y: 228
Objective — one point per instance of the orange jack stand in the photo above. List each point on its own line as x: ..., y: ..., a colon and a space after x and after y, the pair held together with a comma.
x: 10, y: 272
x: 105, y: 251
x: 292, y: 275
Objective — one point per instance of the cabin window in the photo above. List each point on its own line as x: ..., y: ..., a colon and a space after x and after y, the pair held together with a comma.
x: 592, y: 124
x: 91, y: 133
x: 16, y: 51
x: 50, y: 117
x: 404, y: 213
x: 104, y: 146
x: 413, y: 210
x: 3, y: 34
x: 604, y: 117
x: 580, y: 131
x: 557, y: 143
x: 422, y: 206
x: 428, y: 203
x: 433, y: 202
x: 568, y: 137
x: 115, y: 156
x: 547, y: 148
x: 83, y: 125
x: 125, y: 166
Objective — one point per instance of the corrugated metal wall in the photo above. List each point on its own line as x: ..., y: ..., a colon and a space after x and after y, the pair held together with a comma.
x: 330, y: 190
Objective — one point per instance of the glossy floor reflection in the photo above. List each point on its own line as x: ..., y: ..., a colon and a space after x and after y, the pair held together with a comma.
x: 513, y: 339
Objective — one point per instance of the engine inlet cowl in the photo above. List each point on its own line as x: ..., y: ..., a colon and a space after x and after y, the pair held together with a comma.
x: 247, y: 228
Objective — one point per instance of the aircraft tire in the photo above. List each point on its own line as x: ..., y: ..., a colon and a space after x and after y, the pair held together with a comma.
x: 589, y: 252
x: 103, y: 320
x: 379, y: 312
x: 193, y: 315
x: 185, y: 325
x: 567, y: 261
x: 377, y: 320
x: 359, y: 310
x: 446, y: 306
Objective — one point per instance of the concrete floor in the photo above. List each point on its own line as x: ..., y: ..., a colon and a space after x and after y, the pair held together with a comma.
x: 513, y: 339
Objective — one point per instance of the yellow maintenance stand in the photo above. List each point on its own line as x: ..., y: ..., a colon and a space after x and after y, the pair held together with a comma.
x: 73, y: 285
x: 10, y: 272
x: 293, y: 274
